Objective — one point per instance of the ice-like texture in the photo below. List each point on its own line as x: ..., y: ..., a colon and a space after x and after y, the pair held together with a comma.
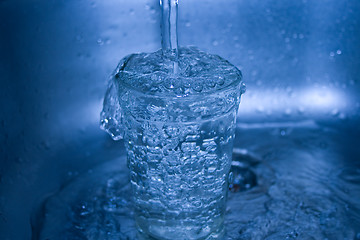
x: 198, y: 72
x: 205, y: 86
x: 179, y: 175
x: 178, y: 128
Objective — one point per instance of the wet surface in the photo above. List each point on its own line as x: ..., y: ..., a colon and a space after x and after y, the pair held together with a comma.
x: 290, y: 181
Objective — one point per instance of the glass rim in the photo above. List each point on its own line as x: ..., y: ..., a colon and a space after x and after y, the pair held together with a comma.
x: 195, y: 94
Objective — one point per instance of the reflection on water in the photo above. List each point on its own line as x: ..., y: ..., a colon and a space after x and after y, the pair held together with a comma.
x: 297, y: 181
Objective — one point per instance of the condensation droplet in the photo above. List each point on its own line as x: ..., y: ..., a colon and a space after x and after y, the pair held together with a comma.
x: 342, y: 116
x: 260, y: 109
x: 282, y: 132
x: 100, y: 42
x: 288, y: 111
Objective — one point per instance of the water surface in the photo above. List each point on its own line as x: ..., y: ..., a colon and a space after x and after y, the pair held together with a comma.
x: 291, y: 181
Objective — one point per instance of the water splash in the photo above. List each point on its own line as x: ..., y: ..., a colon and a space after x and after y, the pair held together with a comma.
x: 297, y: 191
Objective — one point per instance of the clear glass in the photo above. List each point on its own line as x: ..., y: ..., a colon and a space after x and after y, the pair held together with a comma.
x: 179, y: 153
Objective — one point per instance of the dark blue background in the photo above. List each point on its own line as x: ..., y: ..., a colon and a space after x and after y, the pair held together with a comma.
x: 300, y: 61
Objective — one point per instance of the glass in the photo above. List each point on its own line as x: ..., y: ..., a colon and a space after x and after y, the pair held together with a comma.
x: 179, y: 151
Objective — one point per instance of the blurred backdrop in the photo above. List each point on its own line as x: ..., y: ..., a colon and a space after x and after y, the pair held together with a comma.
x: 300, y: 61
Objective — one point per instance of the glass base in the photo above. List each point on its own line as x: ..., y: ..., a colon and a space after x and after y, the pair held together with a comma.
x: 216, y: 235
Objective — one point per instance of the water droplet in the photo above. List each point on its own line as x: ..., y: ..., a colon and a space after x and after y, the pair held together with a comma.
x: 79, y: 38
x: 215, y: 43
x: 187, y: 24
x: 288, y: 111
x: 332, y: 54
x: 260, y: 109
x: 231, y: 177
x: 283, y: 132
x: 153, y: 11
x: 342, y: 116
x: 335, y: 112
x: 100, y: 42
x: 338, y: 52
